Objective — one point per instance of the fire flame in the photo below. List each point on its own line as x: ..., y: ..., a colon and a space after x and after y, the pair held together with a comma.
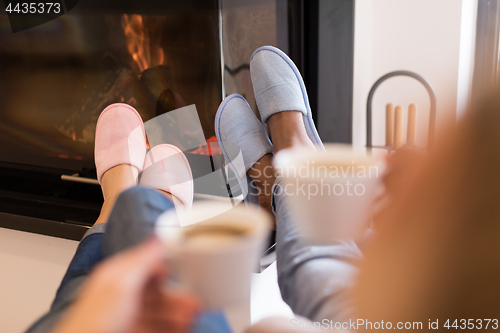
x: 145, y: 52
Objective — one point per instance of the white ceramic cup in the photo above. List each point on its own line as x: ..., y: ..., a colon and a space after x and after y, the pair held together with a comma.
x: 330, y: 192
x: 215, y: 249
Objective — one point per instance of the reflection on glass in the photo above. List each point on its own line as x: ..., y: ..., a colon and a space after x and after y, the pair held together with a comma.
x: 247, y: 25
x: 58, y: 77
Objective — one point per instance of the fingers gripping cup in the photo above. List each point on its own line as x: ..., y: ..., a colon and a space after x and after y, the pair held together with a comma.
x: 330, y: 192
x: 215, y: 249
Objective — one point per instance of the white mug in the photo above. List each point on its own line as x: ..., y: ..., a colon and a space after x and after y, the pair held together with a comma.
x: 215, y: 249
x: 330, y: 191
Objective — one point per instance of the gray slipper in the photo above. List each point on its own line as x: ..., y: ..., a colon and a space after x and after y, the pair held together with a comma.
x: 278, y: 86
x: 241, y: 136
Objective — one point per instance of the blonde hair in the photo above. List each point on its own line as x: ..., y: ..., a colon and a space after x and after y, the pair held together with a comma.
x: 438, y: 253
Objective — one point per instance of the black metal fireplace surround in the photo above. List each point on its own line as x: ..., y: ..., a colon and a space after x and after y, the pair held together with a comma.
x: 157, y: 56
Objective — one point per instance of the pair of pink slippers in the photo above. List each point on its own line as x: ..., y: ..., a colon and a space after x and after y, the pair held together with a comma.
x: 121, y: 139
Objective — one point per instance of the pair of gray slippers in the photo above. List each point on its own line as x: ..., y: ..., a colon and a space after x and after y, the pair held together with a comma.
x: 278, y: 86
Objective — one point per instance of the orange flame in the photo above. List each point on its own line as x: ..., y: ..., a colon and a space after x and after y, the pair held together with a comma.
x: 143, y: 50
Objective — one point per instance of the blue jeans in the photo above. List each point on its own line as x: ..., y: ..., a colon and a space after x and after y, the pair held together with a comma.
x: 132, y: 219
x: 315, y: 281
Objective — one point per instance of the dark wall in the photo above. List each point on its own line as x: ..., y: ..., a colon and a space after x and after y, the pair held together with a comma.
x: 487, y: 67
x: 321, y: 43
x: 335, y: 74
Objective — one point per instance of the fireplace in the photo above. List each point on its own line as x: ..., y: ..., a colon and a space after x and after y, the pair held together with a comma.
x: 156, y: 56
x: 58, y: 77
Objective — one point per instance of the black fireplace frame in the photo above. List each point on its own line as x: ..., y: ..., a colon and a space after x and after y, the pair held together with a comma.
x: 321, y: 35
x: 306, y: 23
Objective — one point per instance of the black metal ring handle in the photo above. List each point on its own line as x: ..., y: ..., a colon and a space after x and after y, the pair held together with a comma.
x: 430, y: 91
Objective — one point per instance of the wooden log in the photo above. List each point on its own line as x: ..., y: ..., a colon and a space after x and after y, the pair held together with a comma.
x: 398, y: 127
x: 411, y: 130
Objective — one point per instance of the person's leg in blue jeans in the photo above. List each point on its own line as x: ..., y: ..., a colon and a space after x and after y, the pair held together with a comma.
x: 132, y: 220
x: 314, y: 280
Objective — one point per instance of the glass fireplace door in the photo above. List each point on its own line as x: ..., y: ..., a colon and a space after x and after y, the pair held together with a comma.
x: 158, y: 56
x: 57, y: 77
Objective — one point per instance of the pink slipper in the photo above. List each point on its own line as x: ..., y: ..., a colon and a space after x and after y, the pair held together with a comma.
x: 167, y: 168
x: 119, y: 139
